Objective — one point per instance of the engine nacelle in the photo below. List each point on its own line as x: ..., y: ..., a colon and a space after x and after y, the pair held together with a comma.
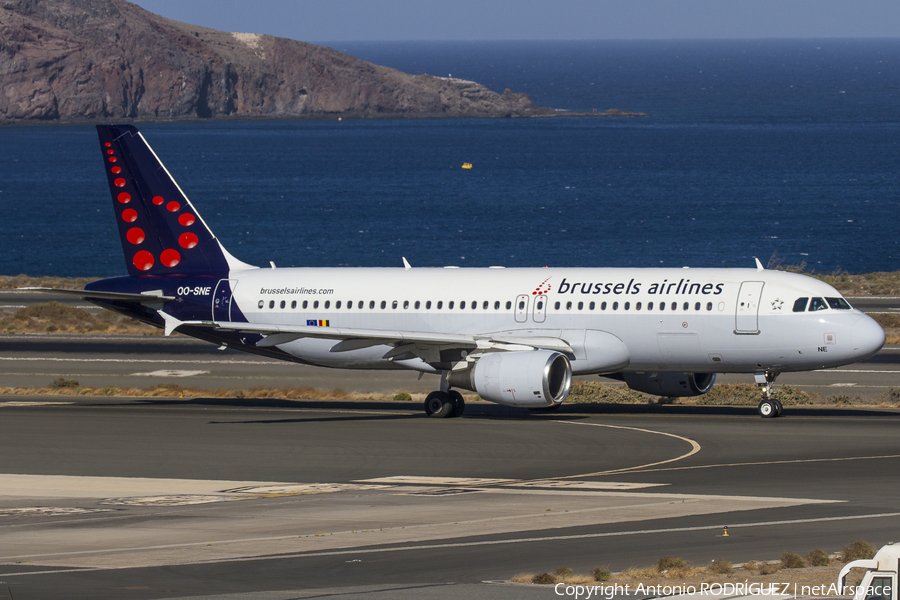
x: 532, y: 378
x: 670, y: 384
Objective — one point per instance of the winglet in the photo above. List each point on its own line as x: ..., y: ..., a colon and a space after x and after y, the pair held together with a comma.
x: 759, y: 266
x: 406, y: 265
x: 171, y: 322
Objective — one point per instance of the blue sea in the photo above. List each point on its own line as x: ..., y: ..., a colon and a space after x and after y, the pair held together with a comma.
x: 785, y: 150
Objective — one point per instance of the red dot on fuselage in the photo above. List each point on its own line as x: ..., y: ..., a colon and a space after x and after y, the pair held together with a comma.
x: 157, y: 200
x: 109, y: 152
x: 173, y: 206
x: 107, y: 144
x: 170, y: 257
x: 187, y: 219
x: 119, y: 182
x: 116, y: 170
x: 187, y: 240
x: 143, y: 260
x: 112, y: 159
x: 135, y: 235
x: 124, y: 197
x: 129, y: 215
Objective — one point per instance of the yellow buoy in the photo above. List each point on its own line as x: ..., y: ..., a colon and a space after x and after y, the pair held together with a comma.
x: 467, y: 165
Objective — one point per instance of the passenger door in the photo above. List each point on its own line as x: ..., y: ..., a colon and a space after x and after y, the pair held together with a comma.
x: 222, y: 298
x: 746, y: 320
x: 521, y: 308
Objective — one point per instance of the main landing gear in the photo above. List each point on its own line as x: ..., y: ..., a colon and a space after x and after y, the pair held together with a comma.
x: 769, y: 407
x: 444, y: 403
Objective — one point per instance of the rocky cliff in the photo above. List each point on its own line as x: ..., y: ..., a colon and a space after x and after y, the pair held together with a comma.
x: 75, y: 60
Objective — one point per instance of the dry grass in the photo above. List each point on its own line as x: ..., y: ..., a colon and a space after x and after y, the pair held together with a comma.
x: 676, y: 572
x: 56, y: 317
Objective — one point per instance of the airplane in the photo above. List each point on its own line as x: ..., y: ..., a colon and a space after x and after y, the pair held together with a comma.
x: 515, y: 336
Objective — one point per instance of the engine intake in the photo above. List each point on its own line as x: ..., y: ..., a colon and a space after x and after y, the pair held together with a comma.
x: 533, y: 378
x: 670, y: 384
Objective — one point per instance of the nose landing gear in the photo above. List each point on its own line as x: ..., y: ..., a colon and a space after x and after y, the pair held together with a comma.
x: 769, y: 407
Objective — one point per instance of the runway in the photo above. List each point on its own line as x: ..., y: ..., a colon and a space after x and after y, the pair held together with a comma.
x: 205, y: 497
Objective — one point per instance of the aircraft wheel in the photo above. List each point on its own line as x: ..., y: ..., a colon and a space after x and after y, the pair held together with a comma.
x: 459, y: 404
x: 779, y: 408
x: 438, y: 405
x: 768, y: 409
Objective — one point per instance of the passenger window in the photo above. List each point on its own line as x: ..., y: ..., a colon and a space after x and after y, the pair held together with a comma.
x: 637, y: 306
x: 522, y: 304
x: 440, y: 304
x: 838, y: 303
x: 581, y: 306
x: 800, y: 304
x: 293, y: 304
x: 662, y: 306
x: 649, y: 306
x: 271, y: 304
x: 474, y: 304
x: 450, y: 305
x: 336, y: 304
x: 305, y: 304
x: 349, y: 303
x: 592, y: 305
x: 428, y: 305
x: 283, y: 304
x: 262, y: 303
x: 486, y: 305
x: 687, y: 305
x: 603, y: 306
x: 508, y: 304
x: 697, y: 306
x: 817, y: 304
x: 371, y: 304
x: 315, y: 304
x: 615, y: 306
x: 569, y: 305
x: 327, y: 303
x: 540, y: 305
x: 406, y: 304
x: 627, y: 305
x: 383, y: 304
x: 675, y: 306
x: 497, y: 305
x: 418, y: 304
x: 462, y: 305
x: 394, y: 305
x: 360, y: 305
x: 556, y: 306
x: 709, y: 306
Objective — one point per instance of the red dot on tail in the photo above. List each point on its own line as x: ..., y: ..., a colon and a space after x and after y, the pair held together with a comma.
x: 119, y: 182
x: 187, y: 219
x: 107, y: 144
x: 129, y: 215
x: 143, y: 260
x: 173, y: 206
x: 135, y: 235
x: 116, y: 170
x: 187, y: 240
x: 157, y: 200
x: 170, y: 257
x: 124, y: 197
x: 109, y: 152
x: 112, y: 159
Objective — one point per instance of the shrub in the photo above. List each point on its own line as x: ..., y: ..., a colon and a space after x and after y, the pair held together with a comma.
x: 402, y: 397
x: 818, y: 558
x: 62, y: 383
x: 563, y: 572
x: 767, y: 568
x: 544, y: 578
x: 601, y: 573
x: 721, y: 567
x: 792, y: 560
x: 670, y: 563
x: 860, y: 549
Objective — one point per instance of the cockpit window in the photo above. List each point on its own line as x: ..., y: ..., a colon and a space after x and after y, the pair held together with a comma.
x: 800, y: 304
x: 838, y: 303
x: 817, y: 304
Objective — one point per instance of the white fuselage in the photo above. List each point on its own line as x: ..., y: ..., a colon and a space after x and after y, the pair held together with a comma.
x: 677, y: 320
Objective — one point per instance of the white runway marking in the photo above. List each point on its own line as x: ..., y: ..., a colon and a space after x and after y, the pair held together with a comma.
x: 27, y: 403
x: 158, y: 361
x: 169, y: 373
x: 585, y: 485
x: 50, y: 511
x: 455, y: 481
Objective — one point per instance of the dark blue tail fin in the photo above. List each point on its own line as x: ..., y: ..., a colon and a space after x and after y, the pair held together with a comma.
x: 161, y: 232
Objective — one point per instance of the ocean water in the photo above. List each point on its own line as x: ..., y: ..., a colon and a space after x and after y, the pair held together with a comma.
x: 785, y: 149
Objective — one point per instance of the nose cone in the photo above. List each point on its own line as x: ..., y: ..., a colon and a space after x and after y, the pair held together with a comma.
x: 867, y: 337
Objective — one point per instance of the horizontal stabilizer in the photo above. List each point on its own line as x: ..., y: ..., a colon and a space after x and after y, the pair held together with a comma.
x: 145, y: 298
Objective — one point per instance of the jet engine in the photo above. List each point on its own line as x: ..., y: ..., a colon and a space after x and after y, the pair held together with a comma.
x: 531, y: 379
x: 670, y: 384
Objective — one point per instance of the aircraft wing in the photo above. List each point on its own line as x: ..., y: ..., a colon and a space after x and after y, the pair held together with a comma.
x: 407, y: 344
